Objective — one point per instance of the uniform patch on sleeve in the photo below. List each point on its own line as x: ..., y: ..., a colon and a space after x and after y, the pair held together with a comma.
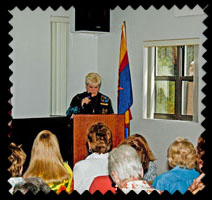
x: 104, y: 99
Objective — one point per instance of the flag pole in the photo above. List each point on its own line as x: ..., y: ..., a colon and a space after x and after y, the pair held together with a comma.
x: 124, y: 22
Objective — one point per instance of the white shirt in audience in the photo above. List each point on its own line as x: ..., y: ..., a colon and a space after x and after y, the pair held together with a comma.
x: 86, y: 170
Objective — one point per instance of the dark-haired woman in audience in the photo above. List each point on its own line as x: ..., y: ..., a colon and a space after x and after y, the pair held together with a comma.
x: 198, y: 184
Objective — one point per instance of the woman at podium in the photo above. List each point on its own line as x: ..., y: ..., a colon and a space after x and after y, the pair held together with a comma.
x: 91, y: 101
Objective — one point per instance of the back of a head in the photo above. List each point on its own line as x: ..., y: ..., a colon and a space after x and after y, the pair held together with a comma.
x: 99, y: 138
x: 139, y: 143
x: 125, y: 162
x: 200, y: 144
x: 46, y: 146
x: 17, y: 158
x: 46, y: 160
x: 182, y: 153
x: 33, y: 184
x: 200, y: 153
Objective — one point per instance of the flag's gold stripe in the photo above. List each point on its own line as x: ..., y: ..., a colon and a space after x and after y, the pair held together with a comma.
x: 123, y: 47
x: 127, y: 117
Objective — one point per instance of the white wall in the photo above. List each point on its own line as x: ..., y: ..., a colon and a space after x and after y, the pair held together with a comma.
x: 100, y: 52
x: 108, y: 64
x: 31, y: 61
x: 83, y: 59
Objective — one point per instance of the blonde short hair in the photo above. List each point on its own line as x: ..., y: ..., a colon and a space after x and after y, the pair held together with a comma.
x: 182, y: 153
x: 93, y: 78
x: 46, y: 161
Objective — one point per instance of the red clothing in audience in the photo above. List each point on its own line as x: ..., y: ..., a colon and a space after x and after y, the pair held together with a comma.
x: 103, y: 184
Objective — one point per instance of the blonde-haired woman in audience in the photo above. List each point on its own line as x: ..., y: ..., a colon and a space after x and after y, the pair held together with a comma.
x: 139, y: 143
x: 182, y: 159
x: 47, y: 163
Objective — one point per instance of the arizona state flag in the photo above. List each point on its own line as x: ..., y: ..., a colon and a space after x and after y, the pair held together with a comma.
x: 125, y: 97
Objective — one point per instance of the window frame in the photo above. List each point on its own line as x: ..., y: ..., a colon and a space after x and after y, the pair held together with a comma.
x: 178, y: 79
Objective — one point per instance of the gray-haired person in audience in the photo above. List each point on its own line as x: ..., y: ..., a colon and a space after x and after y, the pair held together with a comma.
x: 125, y: 168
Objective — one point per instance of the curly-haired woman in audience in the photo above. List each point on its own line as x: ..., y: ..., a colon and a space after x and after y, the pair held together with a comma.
x: 47, y: 163
x: 17, y: 158
x: 182, y: 159
x: 99, y: 143
x: 139, y: 143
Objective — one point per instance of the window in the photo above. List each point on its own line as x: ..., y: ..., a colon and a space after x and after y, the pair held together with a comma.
x: 171, y: 79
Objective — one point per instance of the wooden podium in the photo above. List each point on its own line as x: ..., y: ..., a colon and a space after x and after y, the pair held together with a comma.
x: 81, y: 124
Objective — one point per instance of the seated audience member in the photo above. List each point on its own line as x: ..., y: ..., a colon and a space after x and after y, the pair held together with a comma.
x: 47, y: 163
x: 139, y: 143
x: 200, y: 153
x: 197, y: 185
x: 125, y: 168
x: 17, y: 158
x: 33, y: 184
x: 182, y: 160
x: 99, y: 143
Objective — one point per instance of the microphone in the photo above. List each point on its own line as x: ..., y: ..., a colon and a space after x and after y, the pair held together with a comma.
x: 89, y: 95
